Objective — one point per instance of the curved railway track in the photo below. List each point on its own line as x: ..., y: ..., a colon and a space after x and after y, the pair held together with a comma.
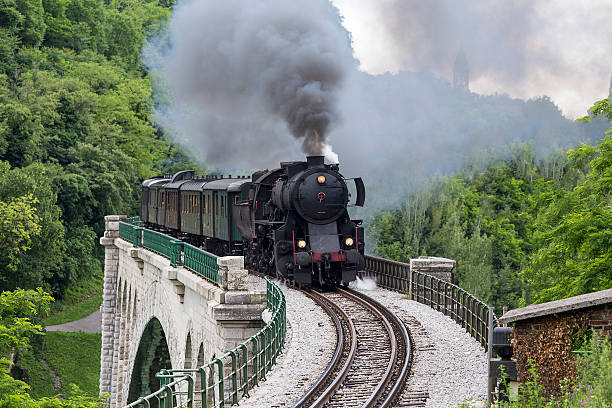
x: 372, y: 358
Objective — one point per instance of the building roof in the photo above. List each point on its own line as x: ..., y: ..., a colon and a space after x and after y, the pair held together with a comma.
x: 558, y: 306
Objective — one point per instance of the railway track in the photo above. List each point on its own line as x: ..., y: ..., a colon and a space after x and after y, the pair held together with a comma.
x: 372, y: 358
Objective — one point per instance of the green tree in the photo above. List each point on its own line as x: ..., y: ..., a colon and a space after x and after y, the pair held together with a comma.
x: 44, y: 258
x: 19, y: 311
x: 19, y: 224
x: 574, y: 233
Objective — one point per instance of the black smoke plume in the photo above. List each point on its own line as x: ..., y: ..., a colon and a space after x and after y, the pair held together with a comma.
x: 243, y: 74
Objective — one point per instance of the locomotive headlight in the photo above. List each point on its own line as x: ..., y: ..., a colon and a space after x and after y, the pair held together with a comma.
x: 302, y: 243
x: 349, y: 241
x: 321, y: 179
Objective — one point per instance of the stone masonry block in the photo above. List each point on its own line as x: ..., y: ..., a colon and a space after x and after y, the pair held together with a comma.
x: 238, y: 312
x: 237, y: 279
x: 240, y: 297
x: 231, y: 262
x: 169, y: 273
x: 228, y: 332
x: 107, y: 241
x: 426, y: 263
x: 237, y: 297
x: 116, y: 218
x: 441, y: 268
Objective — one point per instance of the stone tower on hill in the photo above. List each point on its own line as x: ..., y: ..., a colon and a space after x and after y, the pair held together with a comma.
x: 461, y: 73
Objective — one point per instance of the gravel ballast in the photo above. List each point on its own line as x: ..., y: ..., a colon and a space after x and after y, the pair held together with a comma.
x: 448, y: 363
x: 310, y: 344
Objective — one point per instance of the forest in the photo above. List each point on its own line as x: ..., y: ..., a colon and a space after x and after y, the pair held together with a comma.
x: 522, y: 229
x: 76, y: 136
x: 76, y: 139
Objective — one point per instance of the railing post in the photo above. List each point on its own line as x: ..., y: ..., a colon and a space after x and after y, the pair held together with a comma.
x: 245, y: 370
x: 263, y: 351
x: 203, y: 386
x: 490, y: 385
x: 190, y: 392
x: 234, y: 377
x: 255, y: 359
x: 220, y: 385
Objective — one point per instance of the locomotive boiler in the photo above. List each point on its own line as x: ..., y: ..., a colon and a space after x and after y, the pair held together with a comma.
x: 295, y: 223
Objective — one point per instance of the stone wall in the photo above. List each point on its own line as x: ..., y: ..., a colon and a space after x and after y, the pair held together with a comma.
x: 547, y: 341
x: 198, y: 319
x: 441, y: 268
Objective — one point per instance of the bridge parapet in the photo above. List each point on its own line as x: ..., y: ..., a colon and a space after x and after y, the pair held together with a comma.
x: 429, y: 280
x: 198, y: 319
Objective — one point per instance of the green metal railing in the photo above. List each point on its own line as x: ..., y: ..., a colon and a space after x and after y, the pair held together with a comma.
x: 203, y: 263
x: 197, y: 260
x: 164, y: 245
x: 131, y: 233
x: 465, y: 309
x: 134, y: 220
x: 226, y: 379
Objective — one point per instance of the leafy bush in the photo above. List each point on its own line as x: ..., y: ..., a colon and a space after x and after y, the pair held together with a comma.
x: 593, y: 387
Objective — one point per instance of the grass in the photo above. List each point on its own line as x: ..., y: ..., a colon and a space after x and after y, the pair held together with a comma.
x: 75, y: 357
x: 38, y: 375
x: 76, y: 311
x: 79, y: 301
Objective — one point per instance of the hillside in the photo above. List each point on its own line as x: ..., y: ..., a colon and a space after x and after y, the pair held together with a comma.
x: 522, y: 229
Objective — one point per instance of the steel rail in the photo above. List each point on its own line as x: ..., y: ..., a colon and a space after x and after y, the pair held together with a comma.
x: 376, y: 309
x: 397, y: 368
x: 405, y: 368
x: 327, y: 392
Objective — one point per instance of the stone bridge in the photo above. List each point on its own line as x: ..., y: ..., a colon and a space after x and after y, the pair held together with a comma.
x: 158, y: 316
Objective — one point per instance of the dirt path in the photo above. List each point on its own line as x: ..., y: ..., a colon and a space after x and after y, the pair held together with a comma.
x: 88, y: 324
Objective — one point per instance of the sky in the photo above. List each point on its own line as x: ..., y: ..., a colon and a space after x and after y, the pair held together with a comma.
x: 560, y: 48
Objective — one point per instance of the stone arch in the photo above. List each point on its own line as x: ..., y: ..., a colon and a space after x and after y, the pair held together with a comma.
x: 201, y: 358
x: 124, y: 333
x: 153, y: 355
x: 149, y: 307
x: 188, y: 358
x: 198, y: 377
x: 134, y: 308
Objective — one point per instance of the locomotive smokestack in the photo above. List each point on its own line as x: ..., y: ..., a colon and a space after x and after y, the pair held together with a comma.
x: 315, y: 161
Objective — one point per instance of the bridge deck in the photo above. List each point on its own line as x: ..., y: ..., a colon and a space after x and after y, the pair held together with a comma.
x: 449, y: 364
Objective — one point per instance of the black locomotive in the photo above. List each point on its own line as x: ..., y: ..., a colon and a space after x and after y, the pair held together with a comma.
x: 291, y: 222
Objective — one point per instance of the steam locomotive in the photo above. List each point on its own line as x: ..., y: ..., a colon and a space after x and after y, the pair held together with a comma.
x: 291, y: 222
